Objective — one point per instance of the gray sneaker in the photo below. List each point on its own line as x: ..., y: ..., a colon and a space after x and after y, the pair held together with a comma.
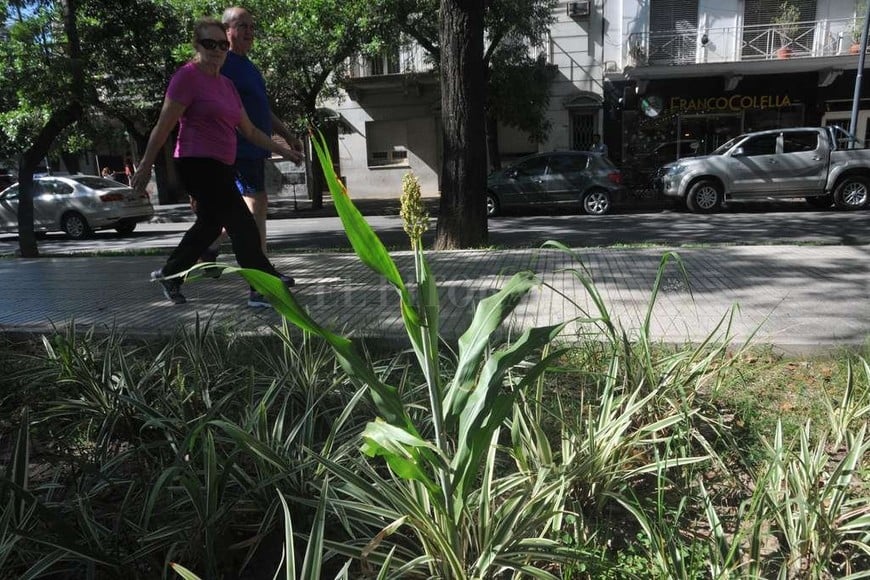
x: 171, y: 288
x: 257, y: 300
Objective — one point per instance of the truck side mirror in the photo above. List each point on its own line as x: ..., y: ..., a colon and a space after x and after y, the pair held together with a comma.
x: 738, y: 152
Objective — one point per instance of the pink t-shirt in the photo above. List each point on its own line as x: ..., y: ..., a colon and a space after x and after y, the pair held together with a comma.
x: 214, y: 109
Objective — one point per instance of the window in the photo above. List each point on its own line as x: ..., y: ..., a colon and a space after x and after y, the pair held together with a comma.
x: 568, y: 163
x: 532, y: 167
x: 385, y: 63
x: 800, y: 141
x: 386, y: 142
x: 761, y: 145
x: 54, y: 187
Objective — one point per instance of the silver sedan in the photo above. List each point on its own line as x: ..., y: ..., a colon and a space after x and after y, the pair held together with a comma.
x: 77, y: 205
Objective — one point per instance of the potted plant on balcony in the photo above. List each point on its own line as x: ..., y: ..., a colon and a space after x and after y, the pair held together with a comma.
x: 637, y: 52
x: 857, y: 27
x: 786, y: 21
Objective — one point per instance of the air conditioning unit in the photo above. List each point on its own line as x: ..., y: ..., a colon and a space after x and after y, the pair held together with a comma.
x: 580, y: 9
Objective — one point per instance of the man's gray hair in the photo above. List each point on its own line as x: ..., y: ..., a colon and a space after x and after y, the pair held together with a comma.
x: 231, y: 13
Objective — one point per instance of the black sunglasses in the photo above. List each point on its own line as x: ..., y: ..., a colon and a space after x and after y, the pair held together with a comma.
x: 209, y: 44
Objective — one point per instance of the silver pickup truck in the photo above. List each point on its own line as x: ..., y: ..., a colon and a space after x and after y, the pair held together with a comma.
x: 809, y: 162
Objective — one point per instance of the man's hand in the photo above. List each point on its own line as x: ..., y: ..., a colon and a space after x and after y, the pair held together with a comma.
x: 292, y: 155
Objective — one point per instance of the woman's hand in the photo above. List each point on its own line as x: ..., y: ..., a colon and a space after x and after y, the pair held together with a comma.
x: 140, y: 179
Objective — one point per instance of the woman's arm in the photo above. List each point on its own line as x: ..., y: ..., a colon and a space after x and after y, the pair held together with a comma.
x: 169, y: 116
x: 251, y: 133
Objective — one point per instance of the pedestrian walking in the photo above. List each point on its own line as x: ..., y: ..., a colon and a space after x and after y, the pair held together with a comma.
x: 208, y: 111
x: 251, y: 158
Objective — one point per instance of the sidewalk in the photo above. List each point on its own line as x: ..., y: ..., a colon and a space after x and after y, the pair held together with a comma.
x: 798, y: 298
x: 286, y: 207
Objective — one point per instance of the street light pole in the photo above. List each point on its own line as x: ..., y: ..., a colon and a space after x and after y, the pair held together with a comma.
x: 859, y: 74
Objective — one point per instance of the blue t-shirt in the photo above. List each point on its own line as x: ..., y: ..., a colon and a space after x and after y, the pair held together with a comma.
x: 252, y: 89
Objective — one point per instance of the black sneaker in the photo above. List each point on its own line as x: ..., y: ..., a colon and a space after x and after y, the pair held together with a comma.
x: 257, y: 300
x: 171, y: 288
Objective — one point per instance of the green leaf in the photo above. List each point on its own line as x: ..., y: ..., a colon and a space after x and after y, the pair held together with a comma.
x: 183, y: 572
x: 490, y: 313
x: 403, y: 451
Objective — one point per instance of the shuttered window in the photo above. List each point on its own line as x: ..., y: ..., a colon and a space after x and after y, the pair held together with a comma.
x: 674, y: 31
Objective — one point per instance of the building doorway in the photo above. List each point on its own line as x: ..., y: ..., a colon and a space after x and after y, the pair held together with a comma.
x: 582, y: 129
x: 709, y: 131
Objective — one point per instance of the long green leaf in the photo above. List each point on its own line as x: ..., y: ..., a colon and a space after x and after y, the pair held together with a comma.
x: 489, y: 315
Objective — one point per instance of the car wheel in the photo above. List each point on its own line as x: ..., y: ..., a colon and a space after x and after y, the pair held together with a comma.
x: 126, y: 228
x: 704, y: 197
x: 492, y: 207
x: 820, y: 201
x: 76, y: 226
x: 853, y: 192
x: 596, y: 202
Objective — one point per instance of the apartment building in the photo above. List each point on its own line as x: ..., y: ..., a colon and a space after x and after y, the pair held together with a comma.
x: 654, y: 77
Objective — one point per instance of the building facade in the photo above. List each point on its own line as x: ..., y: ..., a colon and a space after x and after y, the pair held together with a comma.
x: 658, y: 79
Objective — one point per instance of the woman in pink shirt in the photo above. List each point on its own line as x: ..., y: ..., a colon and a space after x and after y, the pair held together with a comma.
x: 208, y: 111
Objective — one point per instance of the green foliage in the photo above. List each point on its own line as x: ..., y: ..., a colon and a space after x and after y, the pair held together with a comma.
x: 177, y: 452
x: 518, y: 84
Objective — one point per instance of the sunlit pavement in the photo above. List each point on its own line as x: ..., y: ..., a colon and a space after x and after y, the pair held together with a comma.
x: 794, y: 297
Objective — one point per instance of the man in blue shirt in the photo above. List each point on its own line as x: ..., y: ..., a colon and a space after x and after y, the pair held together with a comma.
x: 250, y: 159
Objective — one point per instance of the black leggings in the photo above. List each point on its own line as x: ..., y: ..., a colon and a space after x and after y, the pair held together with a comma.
x: 218, y: 205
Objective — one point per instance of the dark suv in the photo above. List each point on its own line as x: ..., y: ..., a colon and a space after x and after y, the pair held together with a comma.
x: 644, y: 165
x: 581, y: 179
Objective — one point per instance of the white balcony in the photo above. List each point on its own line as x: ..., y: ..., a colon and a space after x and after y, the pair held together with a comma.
x: 399, y: 61
x: 812, y: 39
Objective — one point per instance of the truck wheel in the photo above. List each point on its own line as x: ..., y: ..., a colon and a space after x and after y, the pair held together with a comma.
x: 821, y: 201
x: 853, y: 192
x: 704, y: 197
x: 596, y: 202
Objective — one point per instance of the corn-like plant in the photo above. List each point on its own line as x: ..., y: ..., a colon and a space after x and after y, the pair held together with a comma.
x: 443, y: 487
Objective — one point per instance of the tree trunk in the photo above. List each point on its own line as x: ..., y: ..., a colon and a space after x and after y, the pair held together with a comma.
x: 57, y: 122
x: 493, y: 152
x: 462, y: 212
x: 30, y: 159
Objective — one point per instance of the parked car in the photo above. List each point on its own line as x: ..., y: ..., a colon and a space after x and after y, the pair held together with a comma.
x: 6, y: 179
x: 78, y: 205
x: 805, y: 162
x: 582, y: 179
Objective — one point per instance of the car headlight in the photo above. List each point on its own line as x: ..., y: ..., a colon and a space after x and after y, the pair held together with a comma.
x: 675, y: 169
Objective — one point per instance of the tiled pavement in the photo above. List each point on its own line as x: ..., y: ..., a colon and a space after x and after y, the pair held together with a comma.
x: 797, y: 298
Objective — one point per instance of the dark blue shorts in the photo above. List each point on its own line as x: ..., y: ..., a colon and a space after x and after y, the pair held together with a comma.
x: 251, y: 176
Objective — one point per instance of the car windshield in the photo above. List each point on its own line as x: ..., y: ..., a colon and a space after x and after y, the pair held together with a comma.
x: 722, y: 149
x: 97, y: 182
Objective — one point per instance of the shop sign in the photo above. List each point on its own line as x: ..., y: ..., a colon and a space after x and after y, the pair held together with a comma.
x: 730, y: 103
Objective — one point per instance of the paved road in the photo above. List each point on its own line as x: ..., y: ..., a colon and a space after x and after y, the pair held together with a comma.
x: 781, y: 223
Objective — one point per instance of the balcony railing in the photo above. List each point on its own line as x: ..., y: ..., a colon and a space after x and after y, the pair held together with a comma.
x: 736, y: 44
x: 403, y: 60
